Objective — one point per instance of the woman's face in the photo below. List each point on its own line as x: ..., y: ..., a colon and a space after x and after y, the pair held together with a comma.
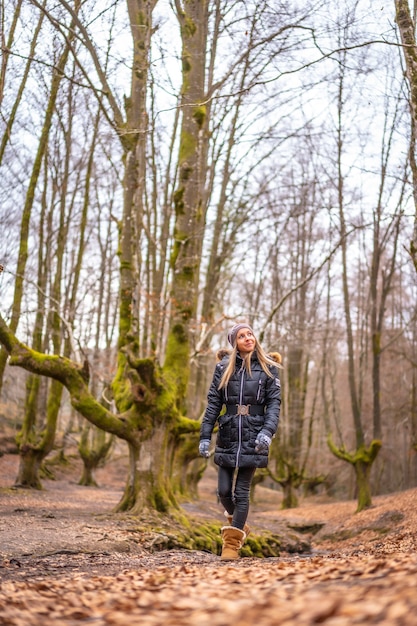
x: 245, y: 341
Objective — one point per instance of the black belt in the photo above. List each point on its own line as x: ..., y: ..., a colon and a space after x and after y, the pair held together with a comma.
x: 245, y: 409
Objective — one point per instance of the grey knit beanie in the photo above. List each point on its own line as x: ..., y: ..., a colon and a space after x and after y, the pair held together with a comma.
x: 231, y: 337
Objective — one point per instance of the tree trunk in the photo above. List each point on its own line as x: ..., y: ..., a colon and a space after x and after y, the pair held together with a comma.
x: 58, y: 76
x: 290, y: 499
x: 361, y: 460
x: 406, y: 26
x: 190, y: 208
x: 53, y: 332
x: 34, y: 447
x: 93, y: 448
x: 362, y: 475
x: 7, y: 46
x: 362, y: 454
x: 11, y: 119
x: 87, y: 477
x: 30, y: 461
x: 148, y: 487
x: 186, y: 470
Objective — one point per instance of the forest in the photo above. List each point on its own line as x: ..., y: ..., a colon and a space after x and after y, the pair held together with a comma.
x: 171, y: 167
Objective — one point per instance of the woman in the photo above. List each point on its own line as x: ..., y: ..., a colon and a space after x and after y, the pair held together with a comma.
x: 246, y: 382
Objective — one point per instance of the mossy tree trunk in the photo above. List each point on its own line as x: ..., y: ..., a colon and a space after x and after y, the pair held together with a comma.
x: 149, y: 486
x: 190, y: 205
x: 291, y: 448
x: 27, y: 434
x: 75, y: 378
x: 57, y: 78
x: 290, y: 457
x: 35, y: 447
x: 30, y: 461
x: 363, y: 457
x: 150, y: 403
x: 189, y: 199
x: 94, y: 448
x: 362, y: 461
x: 290, y: 497
x: 290, y: 477
x: 413, y: 411
x: 407, y: 27
x: 186, y: 470
x: 94, y: 445
x: 148, y: 394
x: 37, y: 435
x: 149, y: 398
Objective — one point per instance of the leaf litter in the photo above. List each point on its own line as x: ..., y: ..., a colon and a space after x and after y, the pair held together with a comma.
x: 64, y: 560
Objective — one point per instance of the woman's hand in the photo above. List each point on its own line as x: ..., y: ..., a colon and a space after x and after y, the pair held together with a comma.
x: 262, y: 443
x: 203, y: 448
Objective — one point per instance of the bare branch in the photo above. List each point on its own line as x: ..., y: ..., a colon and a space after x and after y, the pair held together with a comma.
x: 300, y: 284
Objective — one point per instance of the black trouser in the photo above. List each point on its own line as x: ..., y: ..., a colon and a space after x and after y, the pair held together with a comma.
x: 235, y: 501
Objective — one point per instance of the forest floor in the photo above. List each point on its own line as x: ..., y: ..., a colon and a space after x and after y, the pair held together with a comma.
x: 66, y: 560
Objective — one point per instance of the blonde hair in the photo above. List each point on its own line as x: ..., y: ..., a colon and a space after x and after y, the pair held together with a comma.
x: 264, y: 360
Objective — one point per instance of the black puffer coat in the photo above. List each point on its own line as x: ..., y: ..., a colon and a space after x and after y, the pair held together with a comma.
x: 235, y: 445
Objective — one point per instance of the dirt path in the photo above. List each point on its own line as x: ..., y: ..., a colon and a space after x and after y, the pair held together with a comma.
x: 64, y: 560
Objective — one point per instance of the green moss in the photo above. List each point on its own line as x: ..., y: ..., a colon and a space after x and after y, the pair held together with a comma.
x: 127, y: 138
x: 187, y: 147
x: 178, y: 531
x: 376, y: 343
x: 180, y: 334
x: 179, y: 201
x: 165, y: 402
x: 199, y: 214
x: 142, y: 18
x: 185, y: 425
x: 189, y: 27
x: 186, y: 68
x: 199, y: 114
x: 176, y: 366
x: 207, y: 537
x: 368, y: 454
x: 180, y: 242
x: 161, y: 501
x: 125, y: 265
x: 121, y: 390
x: 46, y: 472
x: 188, y: 272
x: 263, y: 546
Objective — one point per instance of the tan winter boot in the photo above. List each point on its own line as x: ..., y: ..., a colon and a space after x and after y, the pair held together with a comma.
x: 233, y: 539
x: 246, y: 528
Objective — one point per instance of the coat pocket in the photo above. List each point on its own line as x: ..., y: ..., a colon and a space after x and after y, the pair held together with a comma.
x: 255, y: 424
x: 260, y: 394
x: 224, y: 434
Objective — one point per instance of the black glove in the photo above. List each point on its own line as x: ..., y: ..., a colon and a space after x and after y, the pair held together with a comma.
x: 203, y: 448
x: 262, y: 443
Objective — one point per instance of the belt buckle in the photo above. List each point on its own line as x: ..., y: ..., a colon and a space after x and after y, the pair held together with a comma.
x: 243, y: 409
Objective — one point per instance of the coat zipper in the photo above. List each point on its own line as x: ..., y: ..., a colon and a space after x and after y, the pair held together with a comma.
x: 259, y: 390
x: 239, y: 424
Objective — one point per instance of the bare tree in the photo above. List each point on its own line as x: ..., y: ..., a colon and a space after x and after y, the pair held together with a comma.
x: 56, y: 81
x: 406, y: 23
x: 190, y: 220
x: 380, y: 276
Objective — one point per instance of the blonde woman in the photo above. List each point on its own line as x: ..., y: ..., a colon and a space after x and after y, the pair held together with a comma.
x: 246, y: 383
